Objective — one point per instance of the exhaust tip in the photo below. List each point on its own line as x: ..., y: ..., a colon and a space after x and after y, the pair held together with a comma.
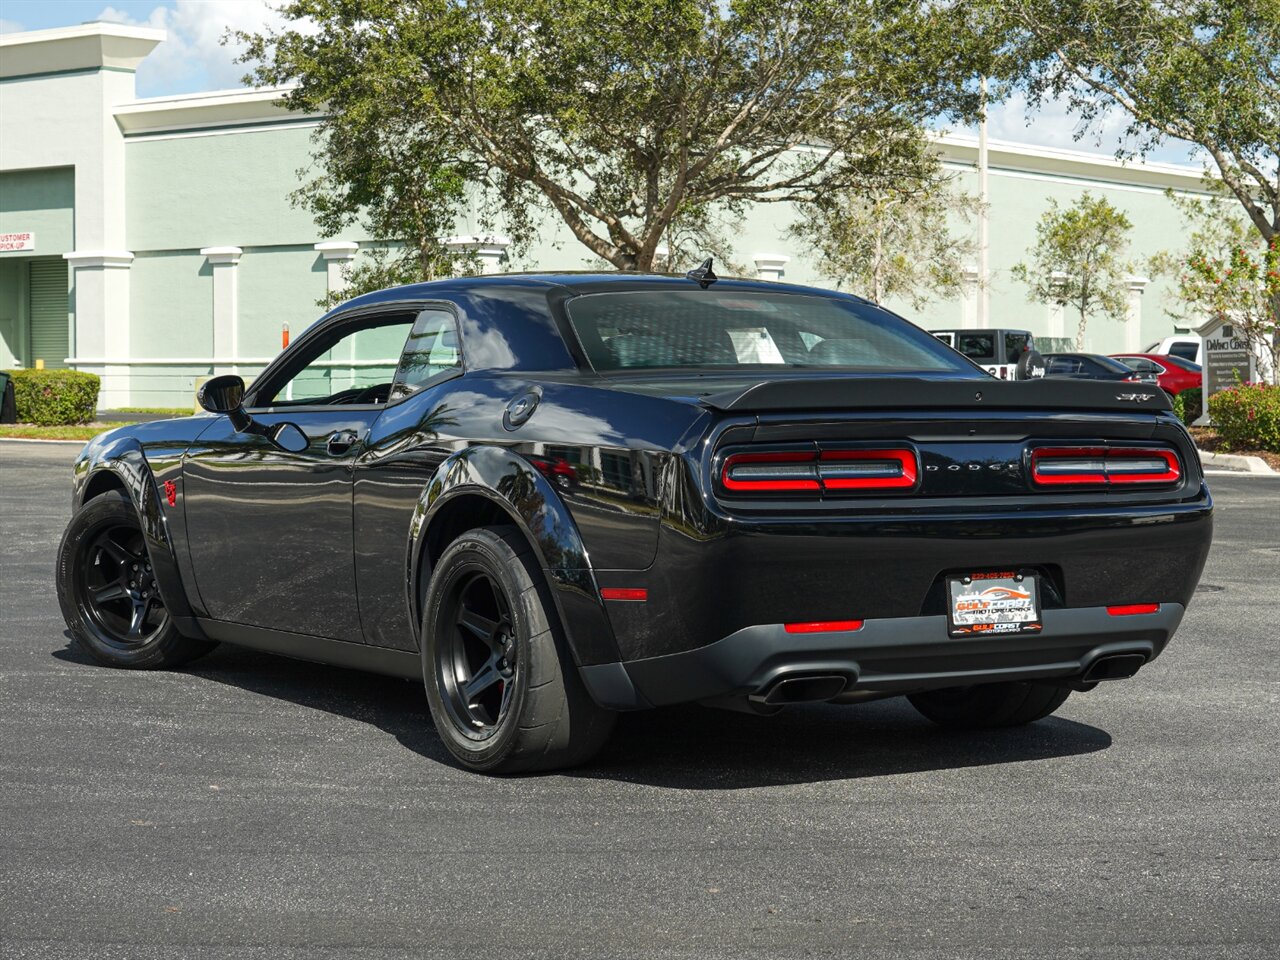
x: 1118, y: 666
x: 804, y: 689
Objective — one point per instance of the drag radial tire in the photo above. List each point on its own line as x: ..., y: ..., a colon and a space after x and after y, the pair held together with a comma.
x: 108, y: 592
x: 990, y: 705
x: 504, y: 692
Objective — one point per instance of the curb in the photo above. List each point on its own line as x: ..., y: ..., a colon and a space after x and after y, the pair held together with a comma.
x: 1234, y: 462
x: 39, y: 440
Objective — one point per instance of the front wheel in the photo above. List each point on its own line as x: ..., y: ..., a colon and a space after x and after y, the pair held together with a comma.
x: 504, y: 693
x: 990, y: 704
x: 108, y: 592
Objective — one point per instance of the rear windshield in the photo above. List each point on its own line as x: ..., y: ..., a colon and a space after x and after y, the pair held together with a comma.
x: 1184, y: 364
x: 1109, y: 363
x: 732, y: 329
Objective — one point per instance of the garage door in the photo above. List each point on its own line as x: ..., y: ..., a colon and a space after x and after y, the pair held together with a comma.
x: 48, y: 288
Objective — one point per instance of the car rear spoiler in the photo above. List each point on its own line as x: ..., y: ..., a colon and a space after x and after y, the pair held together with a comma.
x: 914, y: 393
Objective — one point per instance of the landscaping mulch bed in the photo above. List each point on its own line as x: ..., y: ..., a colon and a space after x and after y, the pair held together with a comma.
x: 1206, y: 439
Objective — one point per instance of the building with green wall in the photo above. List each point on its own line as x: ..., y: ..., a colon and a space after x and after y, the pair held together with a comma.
x: 152, y: 241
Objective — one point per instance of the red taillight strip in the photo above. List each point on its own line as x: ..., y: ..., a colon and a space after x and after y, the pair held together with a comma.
x: 906, y: 460
x: 823, y: 626
x: 624, y: 593
x: 1132, y: 609
x: 1103, y: 465
x: 769, y: 484
x: 900, y: 470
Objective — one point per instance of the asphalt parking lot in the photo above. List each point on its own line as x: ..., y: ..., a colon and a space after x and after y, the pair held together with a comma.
x: 253, y: 806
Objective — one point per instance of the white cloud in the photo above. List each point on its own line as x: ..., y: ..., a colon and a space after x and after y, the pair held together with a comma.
x: 10, y: 26
x: 1054, y: 124
x: 193, y: 57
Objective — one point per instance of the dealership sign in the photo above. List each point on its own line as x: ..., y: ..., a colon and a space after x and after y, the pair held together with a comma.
x: 17, y: 241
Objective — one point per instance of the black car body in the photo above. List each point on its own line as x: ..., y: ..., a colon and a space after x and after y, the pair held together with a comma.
x: 698, y: 526
x: 1091, y: 366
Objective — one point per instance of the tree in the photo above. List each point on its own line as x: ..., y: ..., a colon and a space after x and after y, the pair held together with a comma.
x: 1203, y: 71
x: 1077, y: 260
x: 1226, y: 271
x: 624, y: 118
x: 892, y: 240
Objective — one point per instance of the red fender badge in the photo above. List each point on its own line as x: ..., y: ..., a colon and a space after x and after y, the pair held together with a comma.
x: 171, y: 492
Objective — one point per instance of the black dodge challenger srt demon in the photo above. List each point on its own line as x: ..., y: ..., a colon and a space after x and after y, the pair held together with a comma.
x: 556, y: 497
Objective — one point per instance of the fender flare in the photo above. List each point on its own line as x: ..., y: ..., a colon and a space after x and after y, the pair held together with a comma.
x: 125, y: 461
x: 512, y: 484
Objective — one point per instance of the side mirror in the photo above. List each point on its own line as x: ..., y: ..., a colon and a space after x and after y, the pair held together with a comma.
x: 225, y: 395
x: 222, y: 394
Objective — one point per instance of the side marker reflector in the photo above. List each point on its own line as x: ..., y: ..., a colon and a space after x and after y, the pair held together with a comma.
x: 1131, y: 609
x: 823, y: 626
x: 623, y: 593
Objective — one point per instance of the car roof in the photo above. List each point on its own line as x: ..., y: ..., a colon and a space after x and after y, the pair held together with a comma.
x: 575, y: 283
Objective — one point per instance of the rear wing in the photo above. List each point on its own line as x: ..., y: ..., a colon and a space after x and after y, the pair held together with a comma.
x: 914, y: 393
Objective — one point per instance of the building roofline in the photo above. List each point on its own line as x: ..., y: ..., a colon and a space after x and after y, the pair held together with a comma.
x: 86, y: 46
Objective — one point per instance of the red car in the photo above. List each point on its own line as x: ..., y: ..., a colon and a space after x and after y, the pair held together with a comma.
x: 1172, y: 373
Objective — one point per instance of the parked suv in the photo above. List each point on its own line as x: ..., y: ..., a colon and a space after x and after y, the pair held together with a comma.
x: 1007, y: 354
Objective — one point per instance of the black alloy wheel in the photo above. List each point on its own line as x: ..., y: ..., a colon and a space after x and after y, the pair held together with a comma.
x: 116, y: 587
x: 109, y: 592
x: 504, y: 692
x: 479, y: 656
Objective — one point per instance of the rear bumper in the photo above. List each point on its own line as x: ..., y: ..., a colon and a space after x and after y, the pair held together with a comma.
x: 884, y: 656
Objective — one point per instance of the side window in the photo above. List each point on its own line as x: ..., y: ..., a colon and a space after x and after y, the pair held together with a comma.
x: 432, y: 349
x: 1187, y: 351
x: 980, y: 347
x: 1015, y: 345
x: 354, y: 364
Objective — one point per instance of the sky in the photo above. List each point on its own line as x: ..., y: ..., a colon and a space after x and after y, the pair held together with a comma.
x: 194, y: 59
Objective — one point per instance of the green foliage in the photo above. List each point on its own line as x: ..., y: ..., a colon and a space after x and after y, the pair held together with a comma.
x: 1077, y: 260
x: 892, y: 239
x: 54, y: 397
x: 1202, y: 71
x: 628, y: 122
x: 1227, y: 270
x: 1188, y: 405
x: 1247, y: 416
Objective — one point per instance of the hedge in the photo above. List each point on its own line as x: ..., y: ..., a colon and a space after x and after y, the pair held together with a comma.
x: 1247, y: 416
x: 53, y: 398
x: 1187, y: 405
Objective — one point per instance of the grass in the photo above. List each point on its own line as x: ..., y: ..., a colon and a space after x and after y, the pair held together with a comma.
x: 156, y: 411
x: 30, y: 431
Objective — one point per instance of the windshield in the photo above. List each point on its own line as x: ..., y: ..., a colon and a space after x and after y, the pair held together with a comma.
x: 734, y: 330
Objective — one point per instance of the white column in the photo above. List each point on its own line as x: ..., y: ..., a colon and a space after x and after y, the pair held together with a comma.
x: 489, y: 249
x: 1057, y: 309
x: 771, y: 266
x: 1133, y: 318
x: 969, y: 307
x: 338, y: 255
x: 223, y: 261
x: 100, y: 287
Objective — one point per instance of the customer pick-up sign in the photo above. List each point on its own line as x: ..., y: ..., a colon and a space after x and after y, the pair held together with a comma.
x: 10, y: 242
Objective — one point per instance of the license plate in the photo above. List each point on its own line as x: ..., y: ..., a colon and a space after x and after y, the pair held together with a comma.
x: 1004, y: 602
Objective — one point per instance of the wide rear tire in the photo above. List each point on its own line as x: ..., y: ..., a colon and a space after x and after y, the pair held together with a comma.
x: 990, y: 705
x: 503, y: 690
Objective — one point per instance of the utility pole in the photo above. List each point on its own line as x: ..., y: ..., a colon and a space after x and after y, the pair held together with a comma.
x: 984, y: 319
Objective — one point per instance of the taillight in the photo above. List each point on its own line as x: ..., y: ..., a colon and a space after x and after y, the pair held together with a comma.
x: 1133, y: 609
x: 1098, y: 466
x: 823, y: 626
x: 813, y: 471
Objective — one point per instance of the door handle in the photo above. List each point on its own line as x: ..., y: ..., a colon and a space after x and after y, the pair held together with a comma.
x: 340, y: 441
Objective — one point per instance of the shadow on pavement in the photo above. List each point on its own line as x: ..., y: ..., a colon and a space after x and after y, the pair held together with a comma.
x: 688, y: 747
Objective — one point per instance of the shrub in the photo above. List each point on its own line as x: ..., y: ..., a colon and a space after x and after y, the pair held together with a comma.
x: 1187, y: 405
x: 54, y: 397
x: 1247, y: 416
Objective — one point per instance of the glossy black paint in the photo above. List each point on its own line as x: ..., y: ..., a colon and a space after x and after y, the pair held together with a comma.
x: 325, y: 552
